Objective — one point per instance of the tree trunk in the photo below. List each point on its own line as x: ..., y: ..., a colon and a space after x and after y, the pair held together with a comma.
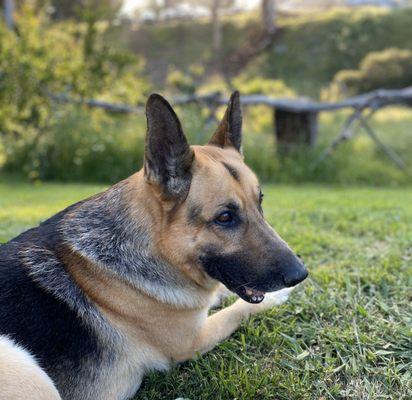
x: 8, y: 13
x: 269, y: 15
x: 216, y: 27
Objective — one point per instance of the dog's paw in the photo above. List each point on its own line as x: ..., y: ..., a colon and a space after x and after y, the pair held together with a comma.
x: 275, y: 298
x: 271, y: 300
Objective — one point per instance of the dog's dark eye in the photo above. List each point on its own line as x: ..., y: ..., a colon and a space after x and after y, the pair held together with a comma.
x: 260, y: 197
x: 225, y: 218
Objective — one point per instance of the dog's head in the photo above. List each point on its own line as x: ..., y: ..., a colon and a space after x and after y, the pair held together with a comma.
x: 211, y: 223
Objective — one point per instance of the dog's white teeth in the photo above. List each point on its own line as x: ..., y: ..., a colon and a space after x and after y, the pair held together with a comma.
x: 258, y: 299
x: 255, y: 296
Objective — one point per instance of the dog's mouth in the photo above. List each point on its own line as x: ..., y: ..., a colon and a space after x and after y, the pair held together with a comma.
x: 247, y: 293
x: 250, y: 295
x: 253, y: 290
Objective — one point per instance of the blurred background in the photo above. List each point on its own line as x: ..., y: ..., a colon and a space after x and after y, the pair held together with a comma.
x: 74, y: 77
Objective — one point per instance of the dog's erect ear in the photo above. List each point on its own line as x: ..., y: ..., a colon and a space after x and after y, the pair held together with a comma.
x: 168, y: 157
x: 229, y: 131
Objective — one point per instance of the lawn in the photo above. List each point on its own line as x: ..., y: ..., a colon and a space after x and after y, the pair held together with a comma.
x: 345, y: 334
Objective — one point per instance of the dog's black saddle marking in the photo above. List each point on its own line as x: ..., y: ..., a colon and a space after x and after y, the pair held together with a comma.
x: 35, y: 318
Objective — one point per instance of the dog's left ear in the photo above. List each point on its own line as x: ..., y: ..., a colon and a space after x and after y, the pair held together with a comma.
x: 168, y: 156
x: 229, y: 131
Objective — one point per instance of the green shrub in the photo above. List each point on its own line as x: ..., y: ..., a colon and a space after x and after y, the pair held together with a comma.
x: 308, y: 52
x: 185, y: 81
x: 391, y: 69
x: 50, y: 141
x: 80, y: 145
x: 42, y: 59
x: 93, y: 146
x: 181, y: 82
x: 260, y: 85
x: 313, y: 48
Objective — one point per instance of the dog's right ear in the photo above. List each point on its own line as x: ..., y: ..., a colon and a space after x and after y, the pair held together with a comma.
x: 229, y: 131
x: 168, y: 157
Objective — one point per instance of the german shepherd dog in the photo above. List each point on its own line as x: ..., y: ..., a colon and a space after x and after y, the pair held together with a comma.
x: 122, y: 282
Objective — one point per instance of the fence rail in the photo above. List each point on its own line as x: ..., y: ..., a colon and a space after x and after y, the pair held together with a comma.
x: 375, y: 99
x: 295, y: 119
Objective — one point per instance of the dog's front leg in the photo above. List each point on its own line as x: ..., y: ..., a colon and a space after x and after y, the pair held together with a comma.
x: 222, y: 324
x: 221, y: 294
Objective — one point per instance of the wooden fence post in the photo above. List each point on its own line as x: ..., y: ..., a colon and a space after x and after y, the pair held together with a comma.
x: 293, y: 128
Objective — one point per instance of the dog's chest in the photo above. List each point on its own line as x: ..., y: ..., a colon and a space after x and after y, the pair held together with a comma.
x: 154, y: 346
x: 125, y: 374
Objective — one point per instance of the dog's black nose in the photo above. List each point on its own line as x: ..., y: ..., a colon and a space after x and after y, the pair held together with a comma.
x: 294, y: 273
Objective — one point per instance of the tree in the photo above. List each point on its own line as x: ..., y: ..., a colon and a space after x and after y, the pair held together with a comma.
x: 268, y: 15
x: 8, y: 13
x: 103, y: 9
x: 215, y: 8
x: 217, y: 33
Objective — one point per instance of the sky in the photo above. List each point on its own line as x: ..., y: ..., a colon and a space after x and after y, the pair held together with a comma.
x: 130, y: 5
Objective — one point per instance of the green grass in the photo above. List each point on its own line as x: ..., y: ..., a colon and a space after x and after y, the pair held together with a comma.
x: 345, y: 334
x: 23, y: 206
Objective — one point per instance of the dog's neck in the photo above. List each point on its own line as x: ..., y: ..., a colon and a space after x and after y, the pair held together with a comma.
x: 114, y: 234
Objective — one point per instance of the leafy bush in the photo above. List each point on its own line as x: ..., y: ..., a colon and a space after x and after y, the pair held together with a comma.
x: 181, y: 82
x: 50, y: 141
x: 313, y: 48
x: 391, y: 68
x: 80, y: 145
x: 42, y: 59
x: 185, y: 82
x: 260, y: 85
x: 310, y: 50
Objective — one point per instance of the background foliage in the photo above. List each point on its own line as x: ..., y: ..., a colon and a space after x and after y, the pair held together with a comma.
x: 85, y: 52
x: 387, y: 69
x: 311, y: 48
x: 42, y: 58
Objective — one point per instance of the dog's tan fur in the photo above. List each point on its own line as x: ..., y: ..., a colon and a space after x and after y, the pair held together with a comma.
x: 156, y: 333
